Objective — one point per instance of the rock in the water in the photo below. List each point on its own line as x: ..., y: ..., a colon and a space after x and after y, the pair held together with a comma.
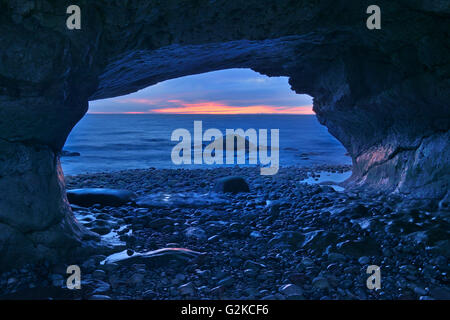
x: 231, y: 185
x: 107, y: 197
x: 66, y: 153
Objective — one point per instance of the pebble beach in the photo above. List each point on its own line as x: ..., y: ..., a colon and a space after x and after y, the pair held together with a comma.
x: 181, y: 238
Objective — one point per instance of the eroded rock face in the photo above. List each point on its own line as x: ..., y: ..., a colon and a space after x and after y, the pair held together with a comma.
x: 384, y: 94
x: 36, y: 222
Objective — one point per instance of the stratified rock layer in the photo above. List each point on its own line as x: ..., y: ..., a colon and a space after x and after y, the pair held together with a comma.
x: 383, y: 93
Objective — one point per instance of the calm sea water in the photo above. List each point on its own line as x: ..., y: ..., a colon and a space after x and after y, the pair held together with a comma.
x: 118, y: 142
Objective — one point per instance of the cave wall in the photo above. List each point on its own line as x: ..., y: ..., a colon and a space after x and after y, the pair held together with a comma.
x: 383, y: 93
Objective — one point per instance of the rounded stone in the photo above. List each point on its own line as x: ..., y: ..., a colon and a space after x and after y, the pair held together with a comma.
x: 231, y: 184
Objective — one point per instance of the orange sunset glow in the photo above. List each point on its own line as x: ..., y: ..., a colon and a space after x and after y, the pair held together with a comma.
x: 220, y: 108
x: 213, y: 107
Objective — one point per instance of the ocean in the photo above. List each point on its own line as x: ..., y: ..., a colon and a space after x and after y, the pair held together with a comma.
x: 114, y: 142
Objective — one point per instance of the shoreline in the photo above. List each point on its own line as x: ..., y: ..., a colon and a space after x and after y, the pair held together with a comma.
x: 130, y: 178
x: 282, y: 240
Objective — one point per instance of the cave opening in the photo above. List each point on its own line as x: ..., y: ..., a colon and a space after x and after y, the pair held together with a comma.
x: 134, y: 131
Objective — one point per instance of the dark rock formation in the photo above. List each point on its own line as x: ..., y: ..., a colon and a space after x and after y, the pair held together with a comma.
x: 383, y: 93
x: 106, y: 197
x: 67, y: 153
x: 181, y: 200
x: 35, y: 218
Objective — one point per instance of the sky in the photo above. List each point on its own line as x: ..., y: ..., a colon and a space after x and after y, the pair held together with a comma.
x: 232, y: 91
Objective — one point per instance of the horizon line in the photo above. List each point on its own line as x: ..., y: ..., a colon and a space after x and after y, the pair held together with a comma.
x: 184, y: 113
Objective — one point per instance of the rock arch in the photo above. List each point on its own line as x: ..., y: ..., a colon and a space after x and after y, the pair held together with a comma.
x: 383, y: 93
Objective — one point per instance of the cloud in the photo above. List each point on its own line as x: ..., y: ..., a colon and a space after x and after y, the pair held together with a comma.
x: 230, y: 91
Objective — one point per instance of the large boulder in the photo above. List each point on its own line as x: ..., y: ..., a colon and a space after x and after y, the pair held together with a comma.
x: 231, y: 185
x: 107, y: 197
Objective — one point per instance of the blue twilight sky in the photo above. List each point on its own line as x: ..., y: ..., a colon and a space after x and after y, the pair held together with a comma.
x: 232, y: 91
